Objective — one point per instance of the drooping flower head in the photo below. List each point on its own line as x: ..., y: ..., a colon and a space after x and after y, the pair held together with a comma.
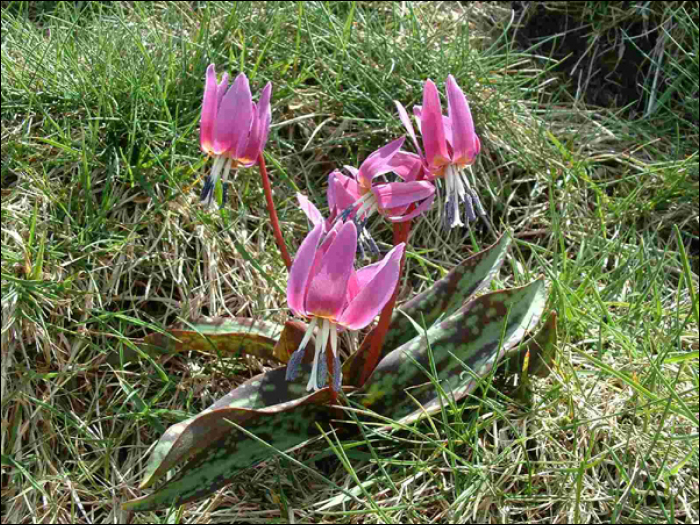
x: 324, y: 286
x: 233, y: 128
x: 360, y: 196
x: 450, y: 143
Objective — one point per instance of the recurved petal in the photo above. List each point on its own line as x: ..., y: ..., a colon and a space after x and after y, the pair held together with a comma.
x: 233, y: 120
x: 309, y: 210
x: 417, y: 112
x: 395, y: 194
x: 301, y: 269
x: 352, y: 170
x: 328, y: 287
x: 423, y: 206
x: 464, y: 140
x: 376, y: 293
x: 432, y: 127
x: 346, y: 192
x: 330, y: 192
x: 209, y: 110
x: 406, y: 121
x: 378, y: 162
x: 406, y: 165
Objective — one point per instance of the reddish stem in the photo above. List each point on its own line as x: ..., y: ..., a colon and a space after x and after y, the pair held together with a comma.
x: 401, y: 231
x: 273, y: 212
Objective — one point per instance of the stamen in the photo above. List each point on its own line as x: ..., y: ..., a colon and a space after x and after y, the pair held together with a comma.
x: 455, y: 213
x: 321, y: 343
x: 210, y: 183
x: 469, y: 208
x: 322, y: 372
x: 479, y: 208
x: 448, y: 214
x: 337, y: 374
x: 364, y: 238
x: 337, y: 370
x: 349, y: 210
x: 369, y: 207
x: 334, y: 338
x: 298, y: 355
x: 361, y: 249
x: 206, y: 189
x: 224, y: 182
x: 224, y: 192
x: 372, y: 244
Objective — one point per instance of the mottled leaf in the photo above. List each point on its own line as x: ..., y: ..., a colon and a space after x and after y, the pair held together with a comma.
x: 464, y: 346
x: 228, y: 451
x: 442, y: 299
x: 222, y: 337
x: 536, y: 356
x: 289, y: 341
x: 188, y: 438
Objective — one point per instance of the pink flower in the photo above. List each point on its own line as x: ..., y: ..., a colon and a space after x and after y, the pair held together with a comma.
x: 360, y: 197
x: 233, y: 129
x: 324, y: 286
x: 450, y: 143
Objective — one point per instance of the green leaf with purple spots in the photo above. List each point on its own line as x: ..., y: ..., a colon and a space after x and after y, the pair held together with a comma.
x: 227, y: 337
x: 536, y: 357
x: 227, y: 452
x: 442, y: 299
x: 464, y: 347
x: 185, y: 440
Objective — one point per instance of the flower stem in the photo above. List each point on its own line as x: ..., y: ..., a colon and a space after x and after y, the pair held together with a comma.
x: 401, y: 231
x: 273, y: 212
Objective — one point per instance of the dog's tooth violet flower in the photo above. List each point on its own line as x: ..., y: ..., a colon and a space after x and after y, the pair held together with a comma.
x: 324, y: 286
x: 360, y: 196
x: 450, y: 144
x: 233, y: 128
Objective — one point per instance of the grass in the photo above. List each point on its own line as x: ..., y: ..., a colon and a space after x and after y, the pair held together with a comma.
x: 103, y: 241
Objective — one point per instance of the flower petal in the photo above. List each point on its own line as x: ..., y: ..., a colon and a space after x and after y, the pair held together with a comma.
x: 446, y: 124
x: 464, y: 141
x: 209, y: 110
x: 353, y: 171
x: 221, y: 89
x: 245, y: 152
x: 432, y: 127
x: 309, y: 210
x: 366, y: 274
x: 378, y: 162
x: 423, y: 206
x: 301, y: 269
x: 406, y: 121
x: 327, y: 289
x: 397, y: 194
x: 345, y: 191
x: 260, y: 128
x: 406, y: 165
x: 376, y: 293
x: 233, y: 120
